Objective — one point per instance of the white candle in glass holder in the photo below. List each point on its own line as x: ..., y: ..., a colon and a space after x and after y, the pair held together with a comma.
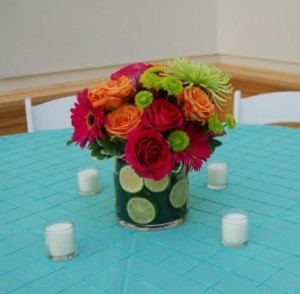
x: 88, y: 181
x: 60, y: 240
x: 217, y: 174
x: 235, y: 228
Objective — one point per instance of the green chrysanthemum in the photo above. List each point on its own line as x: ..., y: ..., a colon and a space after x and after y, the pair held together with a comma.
x: 215, y: 125
x: 151, y: 80
x: 230, y: 120
x: 143, y: 99
x: 215, y: 82
x: 172, y: 85
x: 179, y: 140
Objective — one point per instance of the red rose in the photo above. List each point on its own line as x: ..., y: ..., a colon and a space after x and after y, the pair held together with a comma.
x: 148, y: 152
x: 162, y: 115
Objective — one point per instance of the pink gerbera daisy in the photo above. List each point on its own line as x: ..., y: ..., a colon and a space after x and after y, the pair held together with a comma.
x: 198, y: 150
x: 86, y: 120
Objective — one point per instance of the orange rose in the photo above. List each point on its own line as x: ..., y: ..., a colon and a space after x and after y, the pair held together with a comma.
x: 112, y: 93
x: 122, y: 120
x: 196, y: 104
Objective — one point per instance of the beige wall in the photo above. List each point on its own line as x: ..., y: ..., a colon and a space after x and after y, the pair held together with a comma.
x: 42, y: 36
x: 45, y: 42
x: 265, y: 33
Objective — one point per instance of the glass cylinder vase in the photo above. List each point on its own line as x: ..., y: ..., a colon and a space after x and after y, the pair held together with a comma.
x: 145, y: 204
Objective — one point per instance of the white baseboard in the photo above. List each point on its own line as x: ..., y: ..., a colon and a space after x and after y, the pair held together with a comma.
x: 264, y: 64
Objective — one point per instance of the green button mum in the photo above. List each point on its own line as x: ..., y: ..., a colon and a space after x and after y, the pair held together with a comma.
x: 230, y: 120
x: 151, y: 80
x: 215, y: 125
x: 143, y: 99
x: 178, y: 140
x: 172, y: 85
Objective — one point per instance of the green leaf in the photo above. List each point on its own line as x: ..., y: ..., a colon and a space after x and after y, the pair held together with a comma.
x: 214, y: 144
x: 97, y: 153
x: 112, y: 147
x: 109, y: 153
x: 93, y: 146
x: 70, y: 142
x: 117, y: 139
x: 105, y: 144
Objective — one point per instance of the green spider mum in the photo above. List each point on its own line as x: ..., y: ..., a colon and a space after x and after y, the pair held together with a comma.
x: 230, y: 120
x: 172, y: 85
x: 143, y: 99
x: 179, y: 140
x: 215, y: 125
x: 215, y: 82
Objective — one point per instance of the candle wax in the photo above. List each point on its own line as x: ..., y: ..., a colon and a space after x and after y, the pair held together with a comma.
x: 60, y: 239
x: 216, y: 175
x: 235, y: 229
x: 88, y: 180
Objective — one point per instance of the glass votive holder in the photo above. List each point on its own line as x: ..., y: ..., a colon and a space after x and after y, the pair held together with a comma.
x: 234, y: 227
x: 88, y: 181
x: 217, y: 175
x: 60, y: 240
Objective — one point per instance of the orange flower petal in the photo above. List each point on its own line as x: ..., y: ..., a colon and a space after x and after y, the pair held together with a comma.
x: 112, y: 93
x: 122, y: 120
x: 196, y: 104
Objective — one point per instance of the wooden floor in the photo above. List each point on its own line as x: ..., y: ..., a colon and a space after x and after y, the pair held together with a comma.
x: 249, y: 80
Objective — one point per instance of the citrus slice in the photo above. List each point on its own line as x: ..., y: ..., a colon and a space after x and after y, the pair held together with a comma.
x: 141, y: 210
x: 179, y: 193
x: 157, y: 186
x: 130, y: 181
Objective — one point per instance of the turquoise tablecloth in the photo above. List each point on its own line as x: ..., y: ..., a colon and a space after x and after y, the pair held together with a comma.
x: 38, y: 185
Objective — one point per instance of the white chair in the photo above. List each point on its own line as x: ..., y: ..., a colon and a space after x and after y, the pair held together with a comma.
x: 267, y: 108
x: 54, y: 114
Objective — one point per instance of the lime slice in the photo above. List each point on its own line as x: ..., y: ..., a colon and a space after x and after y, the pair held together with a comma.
x: 130, y: 181
x: 157, y: 186
x: 141, y: 210
x: 179, y: 193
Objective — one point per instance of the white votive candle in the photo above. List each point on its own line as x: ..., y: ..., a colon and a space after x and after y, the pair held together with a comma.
x: 88, y: 181
x: 60, y: 240
x: 235, y: 228
x: 217, y: 174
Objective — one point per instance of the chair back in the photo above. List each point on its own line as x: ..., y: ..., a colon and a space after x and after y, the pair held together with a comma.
x: 267, y: 108
x: 54, y: 114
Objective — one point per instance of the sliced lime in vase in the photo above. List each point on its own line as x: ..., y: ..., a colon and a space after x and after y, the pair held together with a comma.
x: 179, y: 193
x: 157, y: 186
x: 129, y: 180
x: 141, y: 210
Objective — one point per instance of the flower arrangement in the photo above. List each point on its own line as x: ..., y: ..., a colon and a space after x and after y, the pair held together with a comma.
x: 154, y: 116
